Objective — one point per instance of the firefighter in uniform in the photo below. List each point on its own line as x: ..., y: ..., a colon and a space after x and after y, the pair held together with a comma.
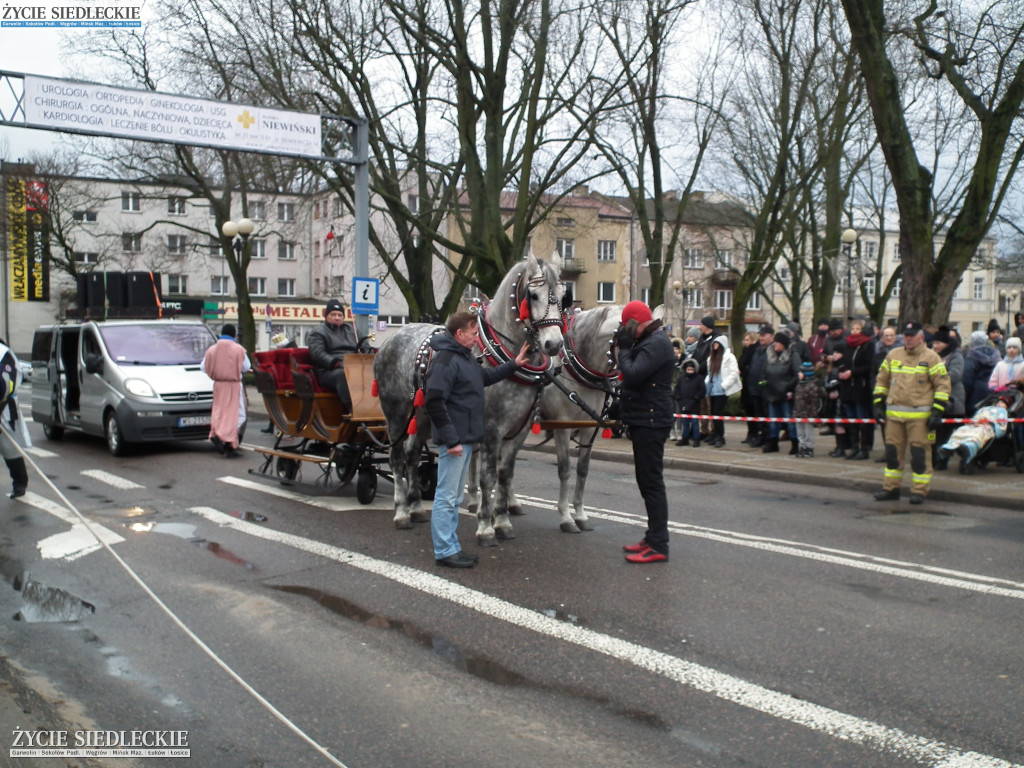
x: 911, y: 395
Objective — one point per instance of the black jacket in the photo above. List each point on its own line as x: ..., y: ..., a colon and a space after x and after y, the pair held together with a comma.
x: 781, y: 374
x: 755, y: 375
x: 454, y: 391
x: 329, y: 345
x: 689, y: 390
x: 645, y: 398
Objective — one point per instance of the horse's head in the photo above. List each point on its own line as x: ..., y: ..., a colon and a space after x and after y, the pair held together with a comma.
x: 538, y: 298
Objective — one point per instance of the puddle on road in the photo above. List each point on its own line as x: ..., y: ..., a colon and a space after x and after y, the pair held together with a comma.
x: 187, y: 533
x: 441, y: 647
x: 49, y: 604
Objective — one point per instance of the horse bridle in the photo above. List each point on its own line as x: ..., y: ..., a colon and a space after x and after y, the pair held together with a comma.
x: 521, y: 301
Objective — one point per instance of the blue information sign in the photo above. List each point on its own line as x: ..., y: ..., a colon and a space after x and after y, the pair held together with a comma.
x: 365, y: 296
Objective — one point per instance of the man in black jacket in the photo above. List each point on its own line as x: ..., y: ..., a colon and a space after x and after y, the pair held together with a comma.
x: 454, y: 392
x: 328, y: 345
x: 647, y: 361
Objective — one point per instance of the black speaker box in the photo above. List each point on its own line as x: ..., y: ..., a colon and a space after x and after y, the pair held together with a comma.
x: 117, y: 289
x: 143, y: 289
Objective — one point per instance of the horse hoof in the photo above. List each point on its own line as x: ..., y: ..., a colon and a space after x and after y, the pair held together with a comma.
x: 584, y: 525
x: 420, y: 517
x: 504, y: 533
x: 517, y: 511
x: 403, y: 524
x: 486, y: 541
x: 568, y: 527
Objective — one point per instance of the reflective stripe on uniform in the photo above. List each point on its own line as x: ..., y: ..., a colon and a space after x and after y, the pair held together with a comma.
x: 902, y: 414
x: 894, y: 473
x: 922, y: 479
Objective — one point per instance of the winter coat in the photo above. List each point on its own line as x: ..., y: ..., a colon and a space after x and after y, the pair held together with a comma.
x: 913, y: 381
x: 781, y: 374
x: 329, y: 345
x: 701, y: 352
x: 954, y: 362
x: 689, y: 391
x: 645, y: 397
x: 729, y: 373
x: 978, y: 365
x: 807, y: 400
x: 752, y: 382
x: 1007, y: 371
x: 454, y: 391
x: 859, y: 360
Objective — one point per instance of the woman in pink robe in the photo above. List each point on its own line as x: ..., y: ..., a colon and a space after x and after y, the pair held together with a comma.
x: 225, y: 362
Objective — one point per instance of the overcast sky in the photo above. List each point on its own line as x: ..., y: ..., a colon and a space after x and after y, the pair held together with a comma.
x: 33, y: 52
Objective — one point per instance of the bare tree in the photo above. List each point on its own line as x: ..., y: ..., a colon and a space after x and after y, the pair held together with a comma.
x: 973, y: 55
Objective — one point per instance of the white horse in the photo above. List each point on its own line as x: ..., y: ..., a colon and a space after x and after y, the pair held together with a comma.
x: 528, y: 307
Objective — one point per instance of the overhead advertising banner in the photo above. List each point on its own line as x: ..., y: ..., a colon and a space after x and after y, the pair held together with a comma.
x: 102, y: 110
x: 28, y: 241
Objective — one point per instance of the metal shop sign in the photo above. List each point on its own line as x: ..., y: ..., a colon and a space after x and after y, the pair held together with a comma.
x: 76, y: 107
x: 28, y: 240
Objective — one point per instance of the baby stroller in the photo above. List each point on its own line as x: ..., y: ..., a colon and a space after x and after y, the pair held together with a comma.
x: 988, y: 437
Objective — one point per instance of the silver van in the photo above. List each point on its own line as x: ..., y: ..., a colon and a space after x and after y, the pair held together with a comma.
x: 130, y: 381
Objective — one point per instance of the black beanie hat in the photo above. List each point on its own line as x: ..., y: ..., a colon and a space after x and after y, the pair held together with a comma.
x: 708, y: 321
x: 333, y: 306
x: 782, y: 338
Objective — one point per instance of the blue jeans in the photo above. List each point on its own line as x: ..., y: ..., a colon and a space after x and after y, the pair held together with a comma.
x: 783, y: 409
x: 451, y: 486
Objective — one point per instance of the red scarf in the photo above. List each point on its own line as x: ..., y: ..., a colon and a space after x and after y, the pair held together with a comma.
x: 857, y: 339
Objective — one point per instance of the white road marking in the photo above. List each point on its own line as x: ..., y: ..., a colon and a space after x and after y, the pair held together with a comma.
x: 333, y: 503
x: 74, y: 543
x: 41, y: 453
x: 110, y: 479
x: 869, y: 734
x: 987, y: 585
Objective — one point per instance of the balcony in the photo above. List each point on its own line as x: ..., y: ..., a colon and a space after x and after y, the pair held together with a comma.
x: 724, y: 277
x: 575, y: 266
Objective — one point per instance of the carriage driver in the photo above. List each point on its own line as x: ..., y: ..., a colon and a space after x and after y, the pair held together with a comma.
x: 328, y: 345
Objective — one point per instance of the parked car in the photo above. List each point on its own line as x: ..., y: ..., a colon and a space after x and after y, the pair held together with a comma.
x: 130, y: 381
x: 25, y: 369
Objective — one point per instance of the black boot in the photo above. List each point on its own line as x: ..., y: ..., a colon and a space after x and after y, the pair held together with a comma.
x: 842, y: 443
x: 19, y: 476
x: 771, y: 446
x: 795, y: 449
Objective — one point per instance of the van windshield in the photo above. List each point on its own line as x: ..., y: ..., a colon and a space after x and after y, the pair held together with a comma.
x: 169, y: 344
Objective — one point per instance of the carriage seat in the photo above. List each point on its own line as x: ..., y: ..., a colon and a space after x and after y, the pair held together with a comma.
x: 277, y: 363
x: 302, y: 362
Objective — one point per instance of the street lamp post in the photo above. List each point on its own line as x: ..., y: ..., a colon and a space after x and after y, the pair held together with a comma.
x: 1009, y: 297
x: 849, y: 237
x: 240, y: 231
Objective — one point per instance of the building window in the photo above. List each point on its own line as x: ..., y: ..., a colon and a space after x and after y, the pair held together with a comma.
x: 84, y: 216
x: 870, y: 251
x: 87, y: 258
x: 336, y: 208
x: 316, y: 210
x: 257, y: 286
x: 257, y: 210
x: 414, y: 203
x: 606, y: 250
x: 783, y: 273
x: 694, y: 298
x: 258, y: 249
x: 723, y: 259
x: 176, y: 244
x: 896, y: 251
x: 175, y: 206
x: 723, y: 299
x: 131, y: 201
x: 606, y: 293
x: 177, y: 284
x: 693, y: 258
x: 286, y: 211
x: 286, y: 287
x: 754, y: 303
x: 979, y: 288
x: 131, y: 242
x: 896, y: 288
x: 566, y: 248
x: 564, y: 221
x: 869, y: 285
x: 215, y: 250
x: 285, y: 250
x: 645, y: 296
x: 219, y: 285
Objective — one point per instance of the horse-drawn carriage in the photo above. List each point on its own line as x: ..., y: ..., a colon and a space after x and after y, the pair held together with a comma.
x: 314, y: 430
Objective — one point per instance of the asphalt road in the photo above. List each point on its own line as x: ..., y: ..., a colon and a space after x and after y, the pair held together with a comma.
x: 793, y: 625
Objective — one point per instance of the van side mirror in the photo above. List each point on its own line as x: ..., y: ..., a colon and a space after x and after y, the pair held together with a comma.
x: 94, y: 363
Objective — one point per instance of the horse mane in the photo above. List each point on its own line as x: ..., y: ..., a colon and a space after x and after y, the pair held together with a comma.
x: 589, y: 343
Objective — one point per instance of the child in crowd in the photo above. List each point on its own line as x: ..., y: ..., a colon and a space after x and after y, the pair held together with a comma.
x: 806, y: 405
x: 689, y: 392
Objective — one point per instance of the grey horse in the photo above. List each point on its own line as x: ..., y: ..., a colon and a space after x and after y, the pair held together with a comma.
x: 527, y: 307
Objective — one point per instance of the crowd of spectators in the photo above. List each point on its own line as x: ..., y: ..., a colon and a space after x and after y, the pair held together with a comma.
x: 829, y: 375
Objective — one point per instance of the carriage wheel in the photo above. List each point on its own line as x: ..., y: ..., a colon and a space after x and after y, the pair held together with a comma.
x: 287, y: 469
x: 345, y: 464
x: 366, y: 486
x: 428, y: 480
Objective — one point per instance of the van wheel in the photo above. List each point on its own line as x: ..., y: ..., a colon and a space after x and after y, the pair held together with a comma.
x: 53, y: 432
x: 115, y: 438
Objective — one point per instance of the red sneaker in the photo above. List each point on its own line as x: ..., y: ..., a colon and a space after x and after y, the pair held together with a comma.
x: 647, y: 556
x: 640, y: 547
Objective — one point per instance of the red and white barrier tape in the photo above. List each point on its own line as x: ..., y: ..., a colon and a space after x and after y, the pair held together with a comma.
x: 783, y: 420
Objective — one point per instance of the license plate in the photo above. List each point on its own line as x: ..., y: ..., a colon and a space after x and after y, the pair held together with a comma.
x: 193, y: 421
